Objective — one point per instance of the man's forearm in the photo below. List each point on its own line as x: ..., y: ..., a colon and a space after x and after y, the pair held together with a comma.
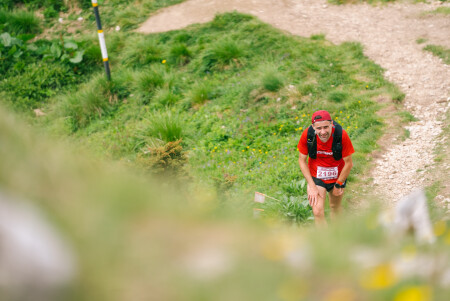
x: 305, y: 170
x: 346, y: 170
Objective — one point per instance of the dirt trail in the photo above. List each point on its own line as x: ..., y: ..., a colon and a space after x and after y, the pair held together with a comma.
x: 389, y: 35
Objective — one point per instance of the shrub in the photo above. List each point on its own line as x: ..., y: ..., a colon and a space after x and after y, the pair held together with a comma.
x: 37, y: 82
x: 167, y: 158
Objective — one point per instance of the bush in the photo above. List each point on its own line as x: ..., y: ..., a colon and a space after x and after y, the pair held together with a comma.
x: 37, y: 82
x: 168, y: 158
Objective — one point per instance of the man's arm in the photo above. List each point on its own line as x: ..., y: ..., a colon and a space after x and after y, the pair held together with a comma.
x: 344, y: 174
x: 313, y: 192
x: 346, y: 170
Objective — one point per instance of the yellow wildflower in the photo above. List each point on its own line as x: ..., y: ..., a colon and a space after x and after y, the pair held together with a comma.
x: 163, y: 61
x: 379, y: 277
x: 439, y: 228
x: 414, y: 293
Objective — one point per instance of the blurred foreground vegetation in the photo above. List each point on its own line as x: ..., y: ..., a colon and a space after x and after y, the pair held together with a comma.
x: 138, y: 239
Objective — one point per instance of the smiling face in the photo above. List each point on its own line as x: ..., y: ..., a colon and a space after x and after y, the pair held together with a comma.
x: 323, y: 129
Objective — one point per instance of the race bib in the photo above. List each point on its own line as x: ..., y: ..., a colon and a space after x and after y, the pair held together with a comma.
x: 327, y: 173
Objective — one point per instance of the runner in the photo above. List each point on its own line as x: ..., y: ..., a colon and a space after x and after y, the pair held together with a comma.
x: 329, y: 163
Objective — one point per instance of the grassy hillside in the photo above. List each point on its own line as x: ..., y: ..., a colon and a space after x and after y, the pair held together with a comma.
x: 236, y: 92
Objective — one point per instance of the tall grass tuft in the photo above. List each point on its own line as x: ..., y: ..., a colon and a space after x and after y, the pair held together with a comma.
x: 19, y: 22
x: 200, y: 93
x: 147, y: 82
x: 165, y: 126
x: 338, y: 96
x: 94, y: 100
x: 166, y: 97
x: 222, y: 54
x: 271, y: 79
x: 142, y: 51
x: 179, y: 54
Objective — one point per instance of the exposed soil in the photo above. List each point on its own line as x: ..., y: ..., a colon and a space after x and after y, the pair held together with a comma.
x: 389, y: 34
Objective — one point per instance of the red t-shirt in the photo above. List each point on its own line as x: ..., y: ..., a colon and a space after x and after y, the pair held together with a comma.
x: 325, y: 167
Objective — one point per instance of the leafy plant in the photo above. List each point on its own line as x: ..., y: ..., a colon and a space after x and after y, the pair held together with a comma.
x: 65, y: 50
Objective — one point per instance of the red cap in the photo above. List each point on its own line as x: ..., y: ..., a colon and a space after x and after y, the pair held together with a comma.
x: 321, y: 115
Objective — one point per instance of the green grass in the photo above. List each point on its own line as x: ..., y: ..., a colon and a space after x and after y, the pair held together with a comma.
x: 444, y: 10
x: 19, y: 22
x: 407, y: 116
x: 439, y: 51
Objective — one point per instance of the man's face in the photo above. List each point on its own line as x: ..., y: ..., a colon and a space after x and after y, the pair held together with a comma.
x: 323, y: 130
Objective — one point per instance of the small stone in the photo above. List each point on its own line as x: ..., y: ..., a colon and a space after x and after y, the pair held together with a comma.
x: 60, y: 20
x: 408, y: 183
x: 117, y: 28
x: 80, y: 19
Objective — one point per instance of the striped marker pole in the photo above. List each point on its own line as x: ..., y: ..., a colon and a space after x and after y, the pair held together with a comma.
x: 101, y: 38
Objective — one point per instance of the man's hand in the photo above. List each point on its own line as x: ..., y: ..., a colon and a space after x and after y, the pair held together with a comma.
x: 338, y: 191
x: 313, y: 194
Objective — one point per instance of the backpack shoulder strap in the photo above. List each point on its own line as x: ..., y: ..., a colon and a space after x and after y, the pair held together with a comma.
x: 337, y: 141
x: 312, y: 143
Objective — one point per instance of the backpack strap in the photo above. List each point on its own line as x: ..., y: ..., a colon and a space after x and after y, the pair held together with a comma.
x: 337, y: 141
x: 312, y: 143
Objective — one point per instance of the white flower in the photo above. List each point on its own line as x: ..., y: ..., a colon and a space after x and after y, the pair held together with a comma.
x: 117, y: 28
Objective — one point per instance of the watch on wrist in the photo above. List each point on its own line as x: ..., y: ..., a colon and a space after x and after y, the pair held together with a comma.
x: 339, y: 184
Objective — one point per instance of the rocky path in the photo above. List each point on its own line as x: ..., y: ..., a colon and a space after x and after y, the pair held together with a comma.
x: 389, y: 34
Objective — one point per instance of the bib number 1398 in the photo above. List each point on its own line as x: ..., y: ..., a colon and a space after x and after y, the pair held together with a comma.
x: 327, y: 173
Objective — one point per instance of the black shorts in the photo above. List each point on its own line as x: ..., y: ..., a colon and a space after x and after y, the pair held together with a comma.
x: 327, y: 186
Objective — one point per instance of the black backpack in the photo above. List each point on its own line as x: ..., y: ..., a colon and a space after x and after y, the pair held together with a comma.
x: 336, y: 146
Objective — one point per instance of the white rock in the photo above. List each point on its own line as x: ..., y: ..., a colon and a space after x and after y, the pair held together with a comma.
x: 60, y: 20
x: 80, y: 19
x: 117, y: 28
